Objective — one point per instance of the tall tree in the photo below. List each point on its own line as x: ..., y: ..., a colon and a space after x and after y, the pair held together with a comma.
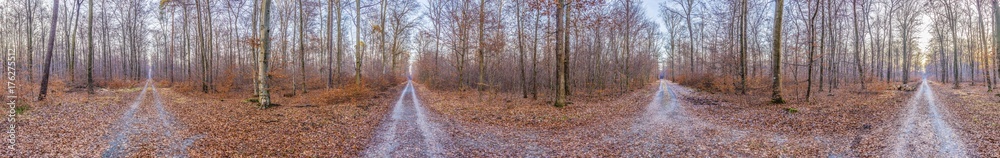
x: 329, y: 40
x: 743, y: 47
x: 560, y: 74
x: 996, y: 39
x: 71, y: 43
x: 480, y: 58
x: 358, y: 53
x: 982, y: 39
x: 534, y: 57
x: 90, y: 47
x: 44, y: 87
x: 907, y: 23
x: 340, y: 36
x: 812, y: 46
x: 520, y: 45
x: 776, y: 54
x: 688, y: 7
x: 954, y: 42
x: 302, y: 45
x: 264, y: 54
x: 857, y: 45
x: 203, y: 48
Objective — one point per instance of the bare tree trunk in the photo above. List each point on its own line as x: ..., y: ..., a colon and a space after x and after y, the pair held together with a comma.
x: 743, y: 48
x: 329, y: 44
x: 566, y: 49
x: 480, y: 59
x: 690, y: 29
x: 812, y: 46
x: 954, y: 44
x: 30, y: 36
x: 359, y: 55
x: 534, y: 60
x: 560, y: 75
x: 857, y: 46
x: 90, y: 47
x: 942, y: 59
x: 340, y: 38
x: 202, y: 49
x: 822, y: 45
x: 996, y: 41
x: 48, y: 52
x: 71, y: 53
x: 888, y: 71
x: 520, y: 47
x: 302, y: 47
x: 264, y: 54
x: 776, y: 55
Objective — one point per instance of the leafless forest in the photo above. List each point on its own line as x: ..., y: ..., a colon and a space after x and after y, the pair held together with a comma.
x: 501, y: 78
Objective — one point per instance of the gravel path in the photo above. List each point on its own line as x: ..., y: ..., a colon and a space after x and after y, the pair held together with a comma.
x: 147, y: 130
x: 665, y: 129
x: 925, y: 131
x: 407, y: 132
x: 119, y: 144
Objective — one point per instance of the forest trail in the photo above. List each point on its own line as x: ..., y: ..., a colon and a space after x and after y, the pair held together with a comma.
x: 665, y: 129
x: 147, y: 130
x: 925, y: 131
x: 407, y: 132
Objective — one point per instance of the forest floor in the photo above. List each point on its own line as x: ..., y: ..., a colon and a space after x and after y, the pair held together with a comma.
x: 975, y: 116
x: 148, y: 121
x: 838, y: 123
x: 676, y: 121
x: 663, y: 119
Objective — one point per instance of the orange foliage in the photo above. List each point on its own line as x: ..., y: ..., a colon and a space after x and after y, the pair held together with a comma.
x: 349, y: 94
x: 709, y: 82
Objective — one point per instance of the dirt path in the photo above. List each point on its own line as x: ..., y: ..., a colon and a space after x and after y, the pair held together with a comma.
x: 925, y: 130
x: 407, y: 132
x: 665, y: 129
x: 123, y: 129
x: 147, y: 130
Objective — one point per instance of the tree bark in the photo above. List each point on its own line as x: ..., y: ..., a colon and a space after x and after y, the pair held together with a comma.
x: 264, y: 54
x: 743, y: 48
x: 520, y: 47
x: 812, y: 45
x: 857, y: 46
x: 560, y: 74
x: 202, y: 49
x: 534, y: 59
x: 44, y: 87
x: 480, y: 59
x: 340, y: 38
x: 302, y: 46
x: 954, y: 44
x: 90, y: 47
x: 71, y: 52
x: 776, y: 55
x: 329, y: 44
x: 359, y: 55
